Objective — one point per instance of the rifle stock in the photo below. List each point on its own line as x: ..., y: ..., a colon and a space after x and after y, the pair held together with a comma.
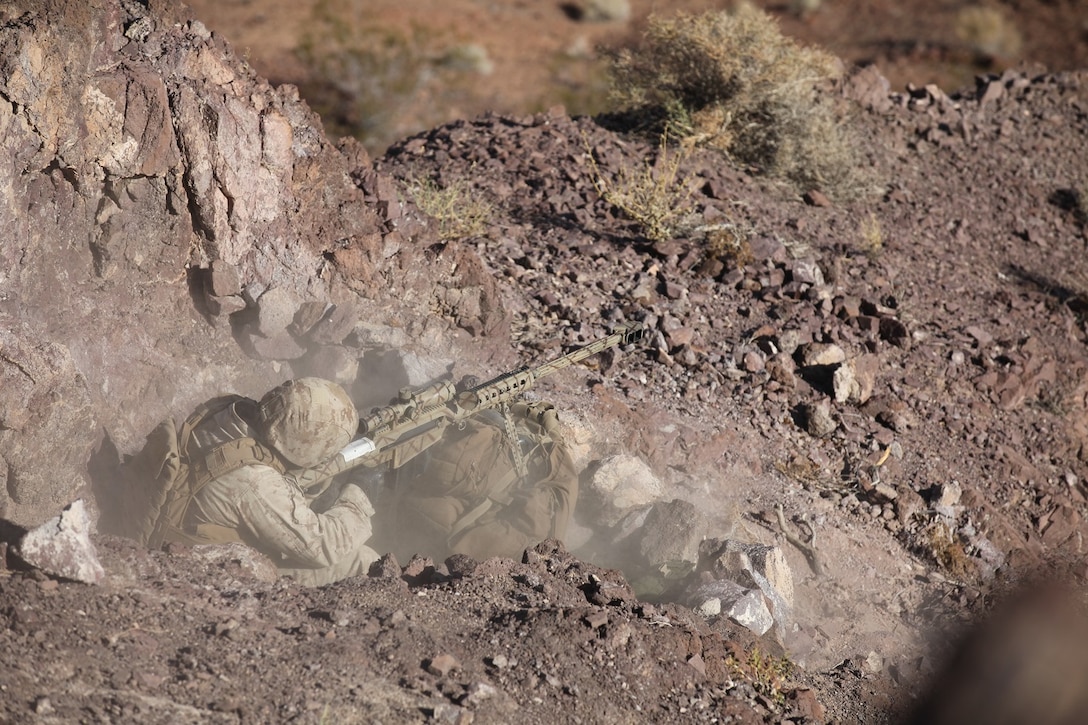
x: 416, y: 419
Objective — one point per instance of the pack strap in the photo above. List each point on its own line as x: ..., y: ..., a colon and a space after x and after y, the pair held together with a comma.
x: 229, y: 457
x: 514, y: 441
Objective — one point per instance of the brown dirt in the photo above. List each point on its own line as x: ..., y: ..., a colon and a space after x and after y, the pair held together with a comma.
x: 970, y: 312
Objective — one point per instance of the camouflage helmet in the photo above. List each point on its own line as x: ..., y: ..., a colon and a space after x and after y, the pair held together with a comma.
x: 307, y: 420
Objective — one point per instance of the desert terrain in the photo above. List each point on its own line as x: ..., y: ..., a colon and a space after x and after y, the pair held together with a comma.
x: 889, y: 387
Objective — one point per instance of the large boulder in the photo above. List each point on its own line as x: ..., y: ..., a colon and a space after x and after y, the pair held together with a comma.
x: 46, y: 424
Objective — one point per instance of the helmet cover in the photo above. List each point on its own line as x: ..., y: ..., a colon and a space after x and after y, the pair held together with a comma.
x: 307, y: 420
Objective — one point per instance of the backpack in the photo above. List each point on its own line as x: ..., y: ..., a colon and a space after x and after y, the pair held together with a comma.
x: 161, y: 480
x: 494, y: 484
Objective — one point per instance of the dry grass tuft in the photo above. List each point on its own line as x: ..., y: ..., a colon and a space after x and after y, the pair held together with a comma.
x: 872, y: 235
x: 459, y: 211
x: 657, y: 196
x: 948, y: 552
x: 733, y: 81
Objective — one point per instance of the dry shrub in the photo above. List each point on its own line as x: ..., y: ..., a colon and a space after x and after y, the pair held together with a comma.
x: 768, y: 675
x: 728, y: 243
x: 948, y: 552
x: 989, y: 33
x: 872, y: 235
x: 656, y: 196
x: 459, y: 211
x: 733, y: 81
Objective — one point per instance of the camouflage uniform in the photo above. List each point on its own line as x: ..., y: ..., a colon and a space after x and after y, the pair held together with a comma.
x: 305, y: 422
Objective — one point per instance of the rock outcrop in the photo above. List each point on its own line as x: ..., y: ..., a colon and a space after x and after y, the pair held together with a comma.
x: 175, y: 227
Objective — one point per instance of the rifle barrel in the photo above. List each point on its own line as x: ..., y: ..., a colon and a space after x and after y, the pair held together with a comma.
x: 622, y: 335
x: 387, y: 428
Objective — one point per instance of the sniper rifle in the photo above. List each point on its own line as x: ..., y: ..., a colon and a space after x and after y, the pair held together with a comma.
x: 417, y: 418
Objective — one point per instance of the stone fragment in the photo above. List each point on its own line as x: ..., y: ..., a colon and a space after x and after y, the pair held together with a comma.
x: 441, y: 665
x: 848, y: 307
x: 224, y: 306
x: 605, y: 592
x: 309, y: 313
x: 679, y: 337
x: 980, y: 336
x: 807, y: 271
x: 597, y: 619
x: 820, y: 353
x: 894, y: 331
x: 753, y: 362
x: 746, y: 607
x: 675, y: 291
x: 950, y: 494
x: 869, y: 88
x: 884, y: 492
x: 603, y: 11
x: 890, y: 413
x: 479, y: 692
x: 336, y: 324
x: 854, y: 380
x: 764, y: 248
x: 276, y: 310
x: 816, y: 198
x: 817, y: 418
x: 805, y: 705
x: 844, y: 382
x: 419, y: 570
x: 671, y: 533
x: 223, y: 279
x: 619, y: 484
x: 452, y: 714
x: 236, y: 557
x: 752, y: 565
x: 1062, y: 524
x: 62, y: 546
x: 386, y: 567
x: 712, y: 607
x: 460, y: 566
x: 281, y: 346
x: 46, y: 420
x: 332, y: 362
x: 781, y: 369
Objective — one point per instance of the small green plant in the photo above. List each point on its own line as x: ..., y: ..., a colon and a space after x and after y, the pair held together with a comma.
x: 872, y: 235
x: 768, y: 675
x: 459, y: 211
x: 656, y: 196
x: 733, y: 81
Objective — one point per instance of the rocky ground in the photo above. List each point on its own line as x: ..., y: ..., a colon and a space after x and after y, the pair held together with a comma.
x: 903, y: 375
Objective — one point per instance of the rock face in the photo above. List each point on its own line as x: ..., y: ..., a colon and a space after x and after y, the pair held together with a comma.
x: 173, y: 229
x: 46, y: 423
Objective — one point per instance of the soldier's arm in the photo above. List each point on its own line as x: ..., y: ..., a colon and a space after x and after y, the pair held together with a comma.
x: 275, y: 518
